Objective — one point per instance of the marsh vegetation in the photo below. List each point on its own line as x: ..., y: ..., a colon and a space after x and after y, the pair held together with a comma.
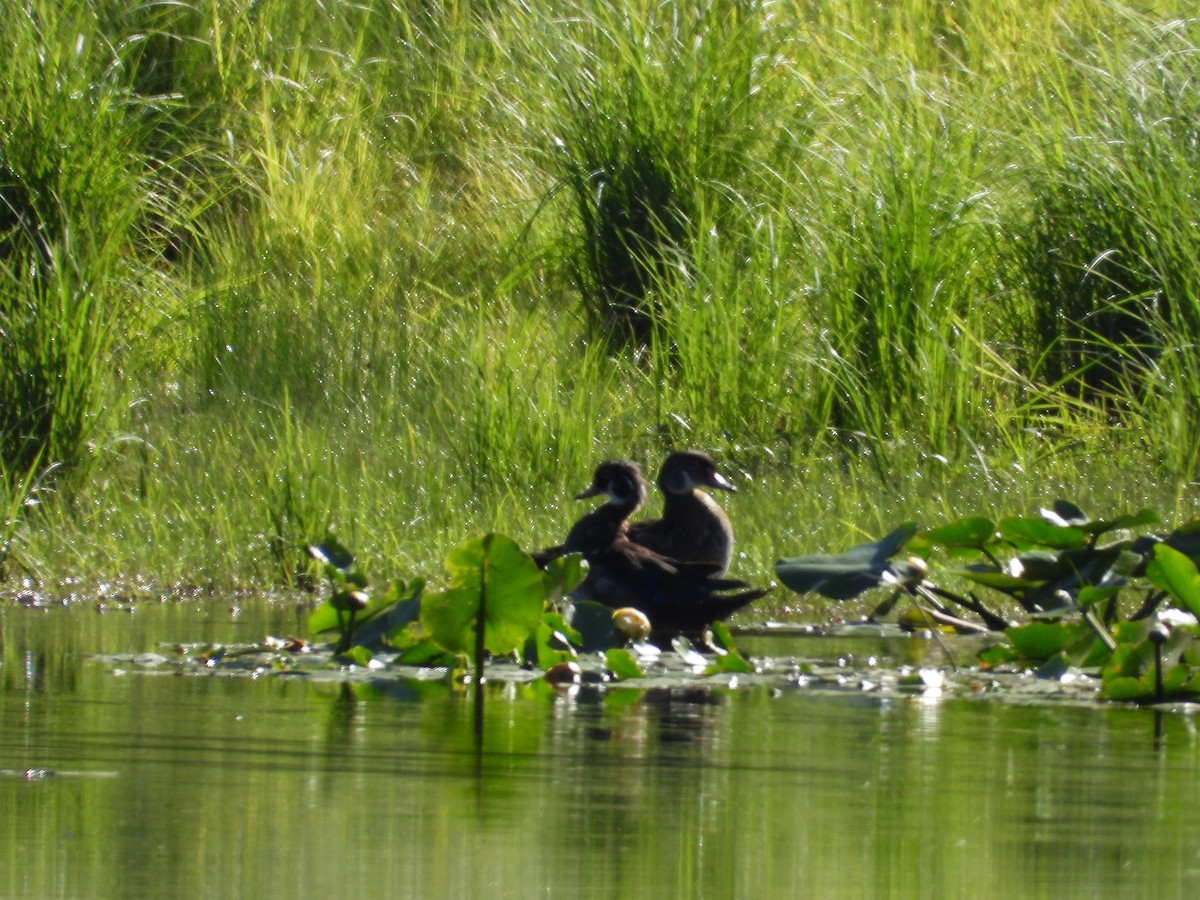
x: 408, y: 271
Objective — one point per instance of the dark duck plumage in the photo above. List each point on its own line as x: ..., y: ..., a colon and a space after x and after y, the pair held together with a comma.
x: 623, y: 484
x: 677, y: 596
x: 693, y: 528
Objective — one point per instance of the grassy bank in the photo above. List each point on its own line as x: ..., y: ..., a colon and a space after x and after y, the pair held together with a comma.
x: 410, y: 270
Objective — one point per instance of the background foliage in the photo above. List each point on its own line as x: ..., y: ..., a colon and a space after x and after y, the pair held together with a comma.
x: 411, y: 269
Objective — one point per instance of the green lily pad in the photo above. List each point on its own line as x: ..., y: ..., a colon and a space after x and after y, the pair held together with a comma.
x: 552, y: 642
x: 1186, y: 539
x: 328, y: 617
x: 593, y: 623
x: 973, y: 532
x: 1040, y: 640
x: 490, y: 572
x: 1067, y: 514
x: 622, y: 663
x: 331, y: 553
x: 563, y: 575
x: 842, y: 576
x: 1000, y: 581
x: 1026, y: 532
x: 1171, y: 571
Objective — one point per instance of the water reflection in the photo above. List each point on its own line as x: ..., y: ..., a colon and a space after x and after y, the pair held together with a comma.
x: 279, y: 785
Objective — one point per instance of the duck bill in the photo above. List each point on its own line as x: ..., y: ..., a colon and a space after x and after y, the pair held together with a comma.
x: 717, y: 480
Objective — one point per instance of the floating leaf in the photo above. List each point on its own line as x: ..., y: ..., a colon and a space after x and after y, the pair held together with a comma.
x: 1000, y: 581
x: 1126, y: 688
x: 326, y: 617
x: 360, y: 656
x: 730, y: 662
x: 1177, y: 681
x: 622, y: 663
x: 1051, y: 580
x: 1038, y: 532
x: 1067, y: 514
x: 972, y: 532
x: 559, y: 623
x: 1055, y: 668
x: 550, y: 644
x: 1088, y: 596
x: 593, y: 622
x: 1186, y: 539
x: 841, y: 576
x: 1040, y: 640
x: 1141, y: 517
x: 728, y: 658
x: 721, y: 637
x: 686, y: 652
x: 491, y: 570
x: 422, y: 650
x: 997, y: 655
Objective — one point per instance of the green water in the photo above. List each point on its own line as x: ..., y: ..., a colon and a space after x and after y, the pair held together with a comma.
x: 120, y: 784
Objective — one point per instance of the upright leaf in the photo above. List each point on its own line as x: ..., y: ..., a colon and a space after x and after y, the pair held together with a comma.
x: 1174, y: 573
x: 494, y: 571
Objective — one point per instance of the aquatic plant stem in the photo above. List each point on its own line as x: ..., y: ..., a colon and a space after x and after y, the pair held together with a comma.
x: 1089, y: 616
x: 1158, y: 682
x: 1158, y: 636
x: 480, y: 619
x: 347, y: 640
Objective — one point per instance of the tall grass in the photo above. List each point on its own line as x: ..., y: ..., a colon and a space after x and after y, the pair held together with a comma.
x: 361, y: 266
x: 1109, y: 261
x: 905, y: 299
x: 656, y: 114
x: 76, y: 202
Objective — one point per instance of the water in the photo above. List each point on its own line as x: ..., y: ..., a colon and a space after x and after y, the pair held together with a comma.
x: 120, y: 784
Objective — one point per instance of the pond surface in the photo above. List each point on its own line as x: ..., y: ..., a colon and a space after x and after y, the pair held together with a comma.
x: 127, y: 781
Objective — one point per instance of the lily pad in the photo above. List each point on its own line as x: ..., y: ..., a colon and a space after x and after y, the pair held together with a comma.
x: 1026, y: 532
x: 622, y: 663
x: 494, y: 574
x: 1174, y: 573
x: 1040, y: 640
x: 973, y: 532
x: 331, y: 553
x: 842, y: 576
x: 1067, y: 514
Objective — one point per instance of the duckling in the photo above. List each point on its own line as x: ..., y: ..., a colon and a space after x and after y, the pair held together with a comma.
x: 677, y: 596
x: 623, y: 484
x: 693, y: 528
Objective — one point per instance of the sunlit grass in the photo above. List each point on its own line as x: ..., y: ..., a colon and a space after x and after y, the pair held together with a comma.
x: 359, y: 266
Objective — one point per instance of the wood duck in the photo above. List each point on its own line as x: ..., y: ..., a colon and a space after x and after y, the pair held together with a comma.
x: 623, y: 484
x: 677, y: 596
x: 693, y: 528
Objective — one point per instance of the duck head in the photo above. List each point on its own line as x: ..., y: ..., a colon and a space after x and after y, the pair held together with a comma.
x: 620, y: 481
x: 686, y: 470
